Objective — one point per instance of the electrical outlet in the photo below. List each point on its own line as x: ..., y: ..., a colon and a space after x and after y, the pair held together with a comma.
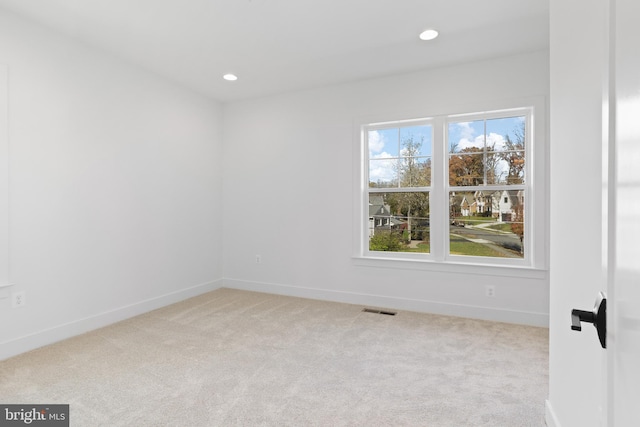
x: 490, y: 291
x: 18, y: 299
x: 258, y: 259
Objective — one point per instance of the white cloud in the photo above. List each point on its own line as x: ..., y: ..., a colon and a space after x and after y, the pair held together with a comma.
x: 381, y: 169
x: 477, y: 142
x: 493, y: 139
x: 383, y: 155
x: 376, y: 142
x: 466, y: 131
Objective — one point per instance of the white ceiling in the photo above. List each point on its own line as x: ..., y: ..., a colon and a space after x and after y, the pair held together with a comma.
x: 283, y: 45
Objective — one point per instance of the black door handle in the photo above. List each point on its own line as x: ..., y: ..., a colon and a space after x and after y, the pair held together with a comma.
x: 598, y: 317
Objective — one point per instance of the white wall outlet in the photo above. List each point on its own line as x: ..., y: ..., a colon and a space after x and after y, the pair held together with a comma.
x: 490, y: 291
x: 258, y: 259
x: 18, y: 299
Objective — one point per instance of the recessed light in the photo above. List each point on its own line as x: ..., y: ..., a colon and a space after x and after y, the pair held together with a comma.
x: 230, y: 77
x: 428, y: 34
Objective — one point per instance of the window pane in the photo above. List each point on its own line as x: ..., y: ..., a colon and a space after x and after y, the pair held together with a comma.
x: 508, y: 168
x: 383, y: 173
x: 416, y: 140
x: 400, y: 157
x: 506, y: 133
x: 415, y: 160
x: 466, y: 137
x: 466, y: 169
x: 508, y: 143
x: 415, y: 172
x: 399, y: 222
x: 487, y: 224
x: 501, y: 142
x: 383, y: 143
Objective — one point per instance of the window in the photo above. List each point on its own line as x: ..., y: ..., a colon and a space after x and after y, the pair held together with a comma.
x: 399, y: 182
x: 449, y: 188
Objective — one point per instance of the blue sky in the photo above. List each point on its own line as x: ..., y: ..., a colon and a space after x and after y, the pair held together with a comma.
x: 471, y: 134
x: 388, y: 140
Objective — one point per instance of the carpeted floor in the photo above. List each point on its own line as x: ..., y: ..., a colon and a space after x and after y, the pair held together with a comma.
x: 236, y: 358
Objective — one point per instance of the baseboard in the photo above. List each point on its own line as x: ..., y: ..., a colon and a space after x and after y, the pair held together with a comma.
x: 60, y: 332
x: 382, y: 301
x: 549, y: 416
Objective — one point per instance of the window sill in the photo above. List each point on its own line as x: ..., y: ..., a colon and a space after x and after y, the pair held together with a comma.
x: 456, y: 267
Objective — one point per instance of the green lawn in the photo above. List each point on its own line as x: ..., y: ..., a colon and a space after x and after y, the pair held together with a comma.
x: 501, y: 227
x: 475, y: 219
x: 422, y: 248
x: 460, y: 246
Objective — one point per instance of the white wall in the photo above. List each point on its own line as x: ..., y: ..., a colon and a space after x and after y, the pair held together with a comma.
x: 115, y: 185
x: 576, y: 270
x: 4, y: 182
x: 289, y: 192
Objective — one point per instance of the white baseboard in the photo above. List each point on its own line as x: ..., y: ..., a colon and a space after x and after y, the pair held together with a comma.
x: 550, y: 416
x: 381, y: 301
x: 60, y: 332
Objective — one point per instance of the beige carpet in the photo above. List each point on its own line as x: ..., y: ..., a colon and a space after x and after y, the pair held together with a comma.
x: 235, y: 358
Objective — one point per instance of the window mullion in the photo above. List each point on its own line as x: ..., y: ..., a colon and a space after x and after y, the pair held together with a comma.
x: 439, y: 201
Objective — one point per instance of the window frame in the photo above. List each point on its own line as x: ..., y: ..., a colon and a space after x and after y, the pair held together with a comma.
x: 535, y: 232
x: 383, y: 126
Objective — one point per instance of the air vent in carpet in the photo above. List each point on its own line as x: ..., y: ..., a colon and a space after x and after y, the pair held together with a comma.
x: 372, y: 310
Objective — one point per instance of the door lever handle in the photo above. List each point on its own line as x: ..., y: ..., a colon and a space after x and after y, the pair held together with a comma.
x: 578, y: 316
x: 598, y: 317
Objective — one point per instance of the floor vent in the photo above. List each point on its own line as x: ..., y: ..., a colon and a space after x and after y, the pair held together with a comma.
x: 371, y: 310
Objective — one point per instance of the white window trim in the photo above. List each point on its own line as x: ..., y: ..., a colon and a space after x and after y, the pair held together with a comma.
x: 536, y: 187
